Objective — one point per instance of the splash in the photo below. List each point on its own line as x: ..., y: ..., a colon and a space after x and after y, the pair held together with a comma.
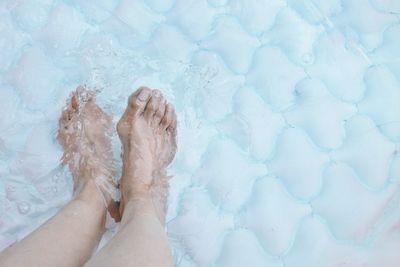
x: 85, y: 134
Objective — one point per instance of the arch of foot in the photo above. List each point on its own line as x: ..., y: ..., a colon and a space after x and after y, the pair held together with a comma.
x: 286, y: 156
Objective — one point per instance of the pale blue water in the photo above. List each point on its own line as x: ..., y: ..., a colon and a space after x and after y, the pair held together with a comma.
x: 288, y: 120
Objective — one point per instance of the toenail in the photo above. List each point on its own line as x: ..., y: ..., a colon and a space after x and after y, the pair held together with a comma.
x: 144, y: 95
x: 157, y: 93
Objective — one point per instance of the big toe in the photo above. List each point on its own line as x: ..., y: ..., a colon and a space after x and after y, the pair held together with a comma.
x: 69, y: 112
x: 137, y: 102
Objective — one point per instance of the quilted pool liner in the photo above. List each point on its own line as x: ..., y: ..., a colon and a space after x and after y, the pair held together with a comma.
x: 288, y: 120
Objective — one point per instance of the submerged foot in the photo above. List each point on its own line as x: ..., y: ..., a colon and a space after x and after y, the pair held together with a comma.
x: 84, y: 133
x: 148, y: 134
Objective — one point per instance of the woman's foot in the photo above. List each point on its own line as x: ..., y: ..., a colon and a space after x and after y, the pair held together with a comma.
x: 148, y: 134
x: 84, y: 133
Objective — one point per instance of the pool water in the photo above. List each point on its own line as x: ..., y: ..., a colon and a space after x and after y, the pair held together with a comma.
x: 289, y: 120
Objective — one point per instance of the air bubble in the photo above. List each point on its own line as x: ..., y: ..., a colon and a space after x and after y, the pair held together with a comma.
x: 24, y: 207
x: 308, y: 59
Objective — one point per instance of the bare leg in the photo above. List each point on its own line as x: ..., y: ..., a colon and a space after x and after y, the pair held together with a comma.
x: 69, y: 238
x: 148, y: 134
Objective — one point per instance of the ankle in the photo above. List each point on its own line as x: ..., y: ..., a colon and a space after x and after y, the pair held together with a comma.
x: 140, y: 206
x: 89, y: 193
x: 133, y: 187
x: 133, y: 194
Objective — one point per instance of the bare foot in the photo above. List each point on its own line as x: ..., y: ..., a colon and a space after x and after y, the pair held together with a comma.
x: 148, y: 134
x: 84, y: 132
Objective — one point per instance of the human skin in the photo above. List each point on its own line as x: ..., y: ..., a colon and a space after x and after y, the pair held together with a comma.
x: 148, y: 134
x: 147, y: 131
x: 67, y: 239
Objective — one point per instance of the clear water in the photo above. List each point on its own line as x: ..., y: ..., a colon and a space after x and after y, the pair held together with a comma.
x: 288, y: 119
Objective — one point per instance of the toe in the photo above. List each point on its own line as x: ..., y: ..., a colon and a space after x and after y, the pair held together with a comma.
x: 160, y: 111
x: 138, y: 101
x: 152, y: 105
x: 74, y: 103
x: 70, y: 114
x: 63, y: 124
x: 168, y: 116
x: 69, y: 111
x: 172, y: 126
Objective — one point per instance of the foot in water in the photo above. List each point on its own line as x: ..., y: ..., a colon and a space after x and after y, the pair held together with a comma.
x: 84, y: 133
x: 147, y: 131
